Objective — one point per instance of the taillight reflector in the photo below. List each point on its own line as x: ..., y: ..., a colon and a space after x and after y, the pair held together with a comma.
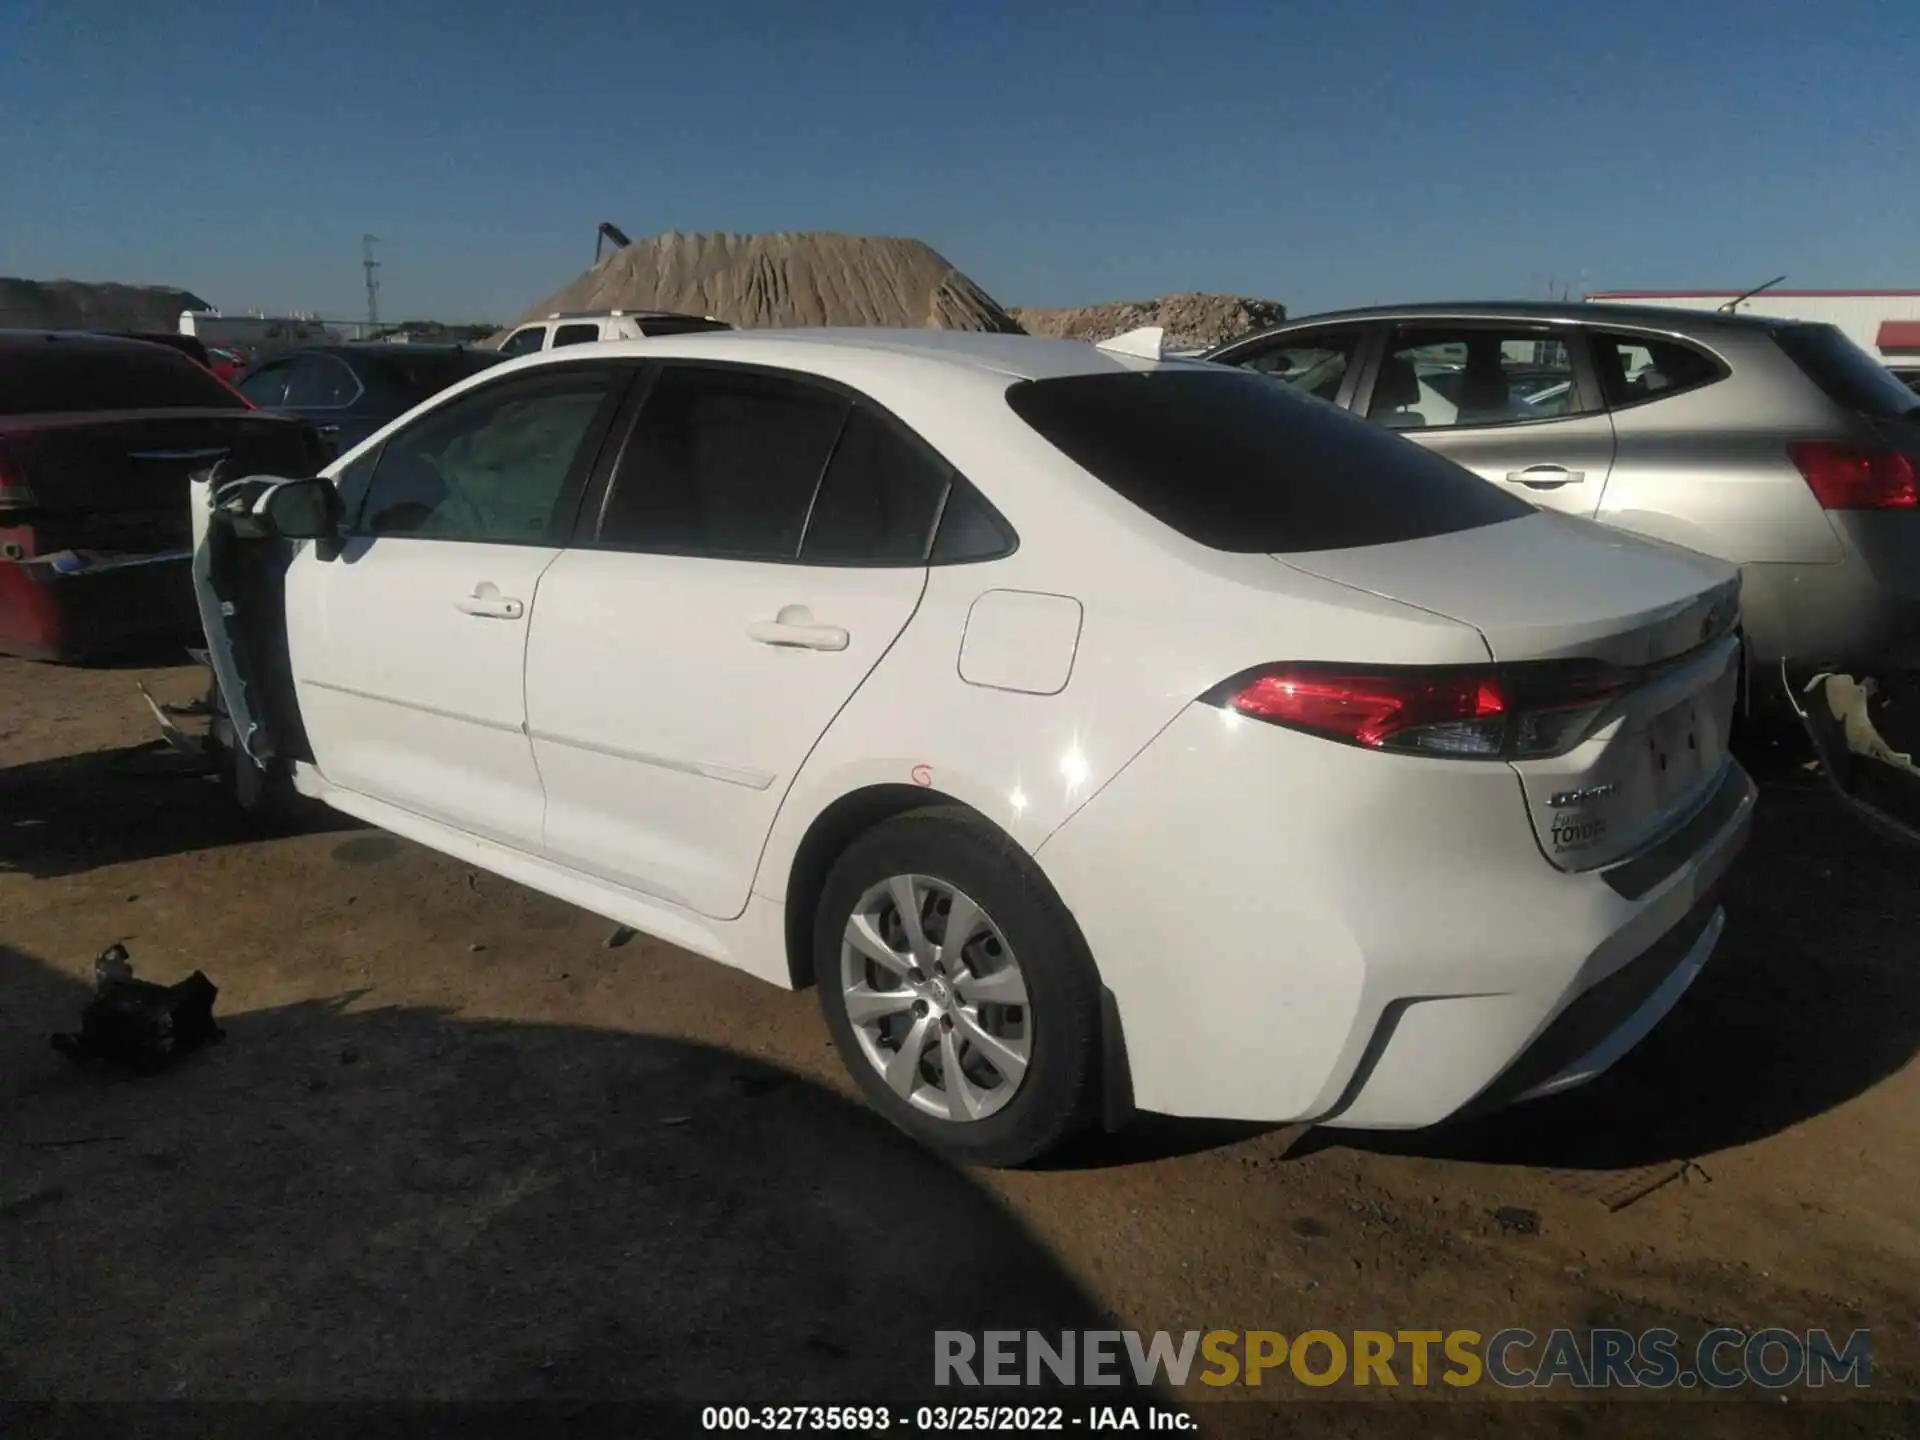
x: 1856, y: 477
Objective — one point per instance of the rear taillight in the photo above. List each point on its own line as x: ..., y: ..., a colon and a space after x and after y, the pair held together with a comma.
x: 1856, y: 477
x: 14, y: 491
x: 1513, y: 712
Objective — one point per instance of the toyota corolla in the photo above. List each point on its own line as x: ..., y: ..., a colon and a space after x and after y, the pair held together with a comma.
x: 1096, y: 731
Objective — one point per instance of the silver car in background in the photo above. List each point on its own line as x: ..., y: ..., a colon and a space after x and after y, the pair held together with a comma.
x: 1776, y: 444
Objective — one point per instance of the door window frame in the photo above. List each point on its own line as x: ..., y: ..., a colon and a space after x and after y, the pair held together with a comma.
x: 591, y: 513
x: 566, y: 507
x: 1571, y: 333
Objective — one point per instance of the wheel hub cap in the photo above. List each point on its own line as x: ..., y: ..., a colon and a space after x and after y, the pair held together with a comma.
x: 937, y: 999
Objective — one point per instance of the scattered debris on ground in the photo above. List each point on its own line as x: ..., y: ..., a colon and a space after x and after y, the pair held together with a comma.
x: 137, y: 1024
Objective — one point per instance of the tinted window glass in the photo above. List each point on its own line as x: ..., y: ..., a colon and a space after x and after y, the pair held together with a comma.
x: 351, y: 481
x: 267, y: 386
x: 878, y: 499
x: 321, y: 382
x: 524, y: 342
x: 1634, y: 368
x: 722, y: 463
x: 413, y: 378
x: 1241, y: 464
x: 55, y: 377
x: 1848, y: 374
x: 1314, y: 364
x: 969, y: 530
x: 493, y: 465
x: 575, y: 335
x: 1439, y: 376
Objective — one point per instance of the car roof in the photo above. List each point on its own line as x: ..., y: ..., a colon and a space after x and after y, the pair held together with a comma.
x: 21, y: 340
x: 1026, y: 357
x: 1597, y: 312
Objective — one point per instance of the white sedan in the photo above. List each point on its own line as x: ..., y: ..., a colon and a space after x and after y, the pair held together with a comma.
x: 1096, y: 731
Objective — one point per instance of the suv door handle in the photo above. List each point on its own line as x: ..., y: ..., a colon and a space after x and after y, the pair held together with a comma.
x: 1546, y: 477
x: 487, y: 603
x: 794, y: 629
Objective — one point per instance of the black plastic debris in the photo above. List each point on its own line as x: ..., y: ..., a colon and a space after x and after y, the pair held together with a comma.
x: 137, y: 1024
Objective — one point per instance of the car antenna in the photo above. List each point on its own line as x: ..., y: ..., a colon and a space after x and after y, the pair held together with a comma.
x: 1738, y: 300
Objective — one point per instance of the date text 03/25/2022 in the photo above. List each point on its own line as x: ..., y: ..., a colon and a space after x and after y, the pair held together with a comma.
x: 943, y: 1419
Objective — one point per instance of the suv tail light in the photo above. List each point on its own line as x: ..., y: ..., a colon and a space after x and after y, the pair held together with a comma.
x: 14, y: 491
x: 1513, y: 712
x: 1856, y: 477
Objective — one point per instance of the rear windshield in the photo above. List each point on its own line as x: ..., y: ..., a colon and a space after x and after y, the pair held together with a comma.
x: 1239, y: 462
x: 418, y: 377
x: 1849, y: 375
x: 62, y: 378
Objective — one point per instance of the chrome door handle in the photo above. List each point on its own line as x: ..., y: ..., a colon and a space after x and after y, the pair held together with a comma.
x: 794, y: 629
x: 1546, y: 477
x: 487, y: 603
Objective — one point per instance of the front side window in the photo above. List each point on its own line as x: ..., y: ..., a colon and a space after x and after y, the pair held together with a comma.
x: 1317, y: 364
x: 524, y: 342
x: 722, y: 462
x: 494, y: 465
x: 267, y: 386
x: 321, y: 382
x: 1436, y: 377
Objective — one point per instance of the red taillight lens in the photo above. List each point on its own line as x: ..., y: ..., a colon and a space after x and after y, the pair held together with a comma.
x: 1856, y: 477
x: 1520, y: 712
x: 15, y: 494
x: 1447, y: 712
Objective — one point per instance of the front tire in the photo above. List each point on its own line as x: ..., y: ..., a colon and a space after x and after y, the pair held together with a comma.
x: 958, y: 989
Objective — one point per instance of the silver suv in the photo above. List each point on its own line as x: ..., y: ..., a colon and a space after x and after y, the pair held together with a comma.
x: 1776, y: 444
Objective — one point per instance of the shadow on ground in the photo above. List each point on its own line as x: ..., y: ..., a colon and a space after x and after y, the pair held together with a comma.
x: 77, y: 813
x: 1812, y: 999
x: 340, y: 1204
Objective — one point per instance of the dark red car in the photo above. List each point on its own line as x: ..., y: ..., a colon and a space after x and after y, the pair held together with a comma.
x: 98, y: 436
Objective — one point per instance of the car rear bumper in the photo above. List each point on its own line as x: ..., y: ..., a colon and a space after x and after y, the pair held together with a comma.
x: 104, y: 604
x: 1298, y: 930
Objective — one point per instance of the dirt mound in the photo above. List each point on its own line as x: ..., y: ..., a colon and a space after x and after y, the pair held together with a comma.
x: 785, y: 279
x: 1191, y: 321
x: 82, y: 305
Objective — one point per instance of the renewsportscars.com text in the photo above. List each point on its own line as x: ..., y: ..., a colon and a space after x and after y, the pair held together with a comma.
x: 1721, y: 1359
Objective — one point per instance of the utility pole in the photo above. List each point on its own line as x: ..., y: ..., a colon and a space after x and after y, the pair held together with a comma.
x: 369, y: 264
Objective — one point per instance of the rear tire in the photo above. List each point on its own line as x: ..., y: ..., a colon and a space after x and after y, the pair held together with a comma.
x: 986, y: 1049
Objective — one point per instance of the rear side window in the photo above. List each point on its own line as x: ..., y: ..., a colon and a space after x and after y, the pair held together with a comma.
x: 575, y: 335
x: 321, y: 382
x: 879, y: 499
x: 1849, y: 375
x: 1634, y: 368
x: 722, y: 463
x: 55, y: 377
x: 414, y: 378
x: 1241, y: 464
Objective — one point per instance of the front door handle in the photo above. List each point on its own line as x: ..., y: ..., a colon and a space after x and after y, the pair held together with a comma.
x: 1546, y: 477
x: 487, y: 603
x: 793, y: 628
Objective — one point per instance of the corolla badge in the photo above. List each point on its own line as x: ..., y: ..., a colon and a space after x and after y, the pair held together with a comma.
x: 1580, y: 797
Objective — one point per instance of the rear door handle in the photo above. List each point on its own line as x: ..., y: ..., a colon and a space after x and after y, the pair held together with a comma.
x: 794, y: 629
x: 487, y: 603
x: 1546, y: 477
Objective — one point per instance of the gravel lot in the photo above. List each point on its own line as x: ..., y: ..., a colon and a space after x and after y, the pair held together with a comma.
x: 455, y: 1146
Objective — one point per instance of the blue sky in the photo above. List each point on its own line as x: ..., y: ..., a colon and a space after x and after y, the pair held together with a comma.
x: 1060, y: 153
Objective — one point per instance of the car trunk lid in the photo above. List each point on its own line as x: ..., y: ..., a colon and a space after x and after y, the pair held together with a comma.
x: 117, y: 482
x: 1649, y: 629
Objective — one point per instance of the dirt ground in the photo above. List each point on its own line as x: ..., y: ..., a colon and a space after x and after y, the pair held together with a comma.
x: 456, y: 1146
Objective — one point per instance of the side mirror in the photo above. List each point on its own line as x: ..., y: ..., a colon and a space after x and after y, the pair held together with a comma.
x: 305, y: 510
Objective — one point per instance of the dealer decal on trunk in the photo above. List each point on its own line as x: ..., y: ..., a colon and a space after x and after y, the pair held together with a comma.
x: 1577, y: 830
